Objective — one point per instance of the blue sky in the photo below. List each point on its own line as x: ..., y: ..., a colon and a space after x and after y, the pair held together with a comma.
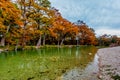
x: 102, y: 15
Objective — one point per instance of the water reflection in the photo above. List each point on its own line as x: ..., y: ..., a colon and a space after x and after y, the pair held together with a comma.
x: 48, y: 63
x: 89, y: 73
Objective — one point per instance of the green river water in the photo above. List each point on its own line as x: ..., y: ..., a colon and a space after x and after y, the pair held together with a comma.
x: 68, y: 63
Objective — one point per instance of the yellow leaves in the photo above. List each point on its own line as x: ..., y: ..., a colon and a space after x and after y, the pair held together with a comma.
x: 53, y: 34
x: 20, y: 23
x: 38, y: 32
x: 87, y: 35
x: 35, y: 20
x: 62, y: 28
x: 8, y: 7
x: 2, y: 26
x: 9, y: 12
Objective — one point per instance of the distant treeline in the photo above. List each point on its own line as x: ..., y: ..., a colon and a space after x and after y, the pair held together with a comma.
x: 108, y: 40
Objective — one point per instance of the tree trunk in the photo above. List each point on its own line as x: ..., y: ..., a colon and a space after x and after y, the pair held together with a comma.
x: 3, y: 38
x: 8, y: 28
x: 39, y: 42
x: 62, y: 42
x: 44, y: 37
x: 77, y: 41
x: 58, y: 42
x: 3, y: 41
x: 24, y: 9
x: 16, y: 47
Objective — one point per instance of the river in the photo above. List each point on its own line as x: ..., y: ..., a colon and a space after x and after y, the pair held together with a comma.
x: 68, y: 63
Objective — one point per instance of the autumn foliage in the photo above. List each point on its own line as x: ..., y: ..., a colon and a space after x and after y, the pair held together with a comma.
x: 87, y: 36
x: 108, y: 40
x: 9, y: 19
x: 36, y: 23
x: 62, y: 28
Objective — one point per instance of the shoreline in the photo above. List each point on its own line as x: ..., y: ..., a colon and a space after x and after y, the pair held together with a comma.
x: 109, y: 63
x: 1, y: 50
x: 12, y: 48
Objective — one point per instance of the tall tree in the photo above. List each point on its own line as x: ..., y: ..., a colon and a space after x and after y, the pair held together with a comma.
x: 9, y: 16
x: 62, y: 28
x: 41, y: 14
x: 87, y: 35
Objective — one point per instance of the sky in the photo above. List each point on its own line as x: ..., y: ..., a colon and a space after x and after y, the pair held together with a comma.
x: 101, y: 15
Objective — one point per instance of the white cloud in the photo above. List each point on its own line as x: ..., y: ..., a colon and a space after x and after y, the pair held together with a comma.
x: 98, y: 14
x: 108, y: 31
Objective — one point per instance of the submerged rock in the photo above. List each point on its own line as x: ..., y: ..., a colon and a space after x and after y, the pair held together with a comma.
x: 90, y: 53
x: 30, y: 78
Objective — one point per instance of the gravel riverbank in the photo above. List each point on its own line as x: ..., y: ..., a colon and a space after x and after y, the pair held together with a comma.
x: 109, y: 63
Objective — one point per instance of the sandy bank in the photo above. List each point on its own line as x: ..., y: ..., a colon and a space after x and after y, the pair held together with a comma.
x: 109, y: 63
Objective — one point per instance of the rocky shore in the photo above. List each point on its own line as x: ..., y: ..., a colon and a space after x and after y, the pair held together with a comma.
x: 109, y: 63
